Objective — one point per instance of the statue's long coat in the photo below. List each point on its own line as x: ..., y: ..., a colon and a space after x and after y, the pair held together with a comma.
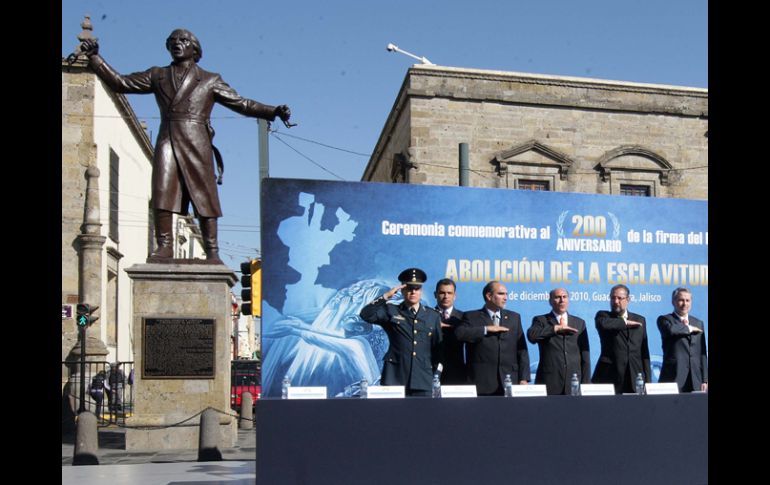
x: 183, y: 166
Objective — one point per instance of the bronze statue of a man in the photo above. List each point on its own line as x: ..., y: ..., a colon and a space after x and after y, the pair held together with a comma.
x: 183, y: 164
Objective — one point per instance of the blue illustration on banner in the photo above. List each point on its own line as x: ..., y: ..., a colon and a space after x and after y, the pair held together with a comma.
x: 319, y: 333
x: 329, y: 248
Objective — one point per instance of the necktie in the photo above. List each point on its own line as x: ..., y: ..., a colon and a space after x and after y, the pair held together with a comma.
x: 562, y: 320
x: 496, y: 319
x: 446, y: 315
x: 685, y: 322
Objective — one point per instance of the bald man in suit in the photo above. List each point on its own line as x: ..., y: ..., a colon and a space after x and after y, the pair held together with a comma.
x: 494, y: 343
x: 563, y: 343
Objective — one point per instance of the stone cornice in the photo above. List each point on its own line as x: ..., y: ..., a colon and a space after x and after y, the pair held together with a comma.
x: 111, y: 251
x: 663, y: 167
x: 571, y: 92
x: 635, y: 150
x: 182, y: 272
x: 559, y: 160
x: 568, y: 81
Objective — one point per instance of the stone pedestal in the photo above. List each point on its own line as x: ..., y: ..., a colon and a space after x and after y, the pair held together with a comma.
x: 96, y: 351
x: 198, y: 292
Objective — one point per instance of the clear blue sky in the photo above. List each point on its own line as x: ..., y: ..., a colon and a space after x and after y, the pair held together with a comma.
x: 327, y: 60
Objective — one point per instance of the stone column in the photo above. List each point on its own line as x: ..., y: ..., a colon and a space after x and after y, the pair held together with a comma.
x: 91, y: 245
x: 180, y: 293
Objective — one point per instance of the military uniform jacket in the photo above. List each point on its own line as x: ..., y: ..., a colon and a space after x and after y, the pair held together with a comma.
x: 683, y: 353
x: 561, y: 355
x: 493, y: 355
x: 413, y: 352
x: 622, y: 348
x: 183, y: 164
x: 452, y: 351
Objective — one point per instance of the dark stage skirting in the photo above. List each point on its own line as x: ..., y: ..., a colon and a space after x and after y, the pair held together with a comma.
x: 487, y: 440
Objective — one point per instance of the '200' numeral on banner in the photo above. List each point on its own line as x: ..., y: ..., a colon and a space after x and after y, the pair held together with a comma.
x: 589, y: 226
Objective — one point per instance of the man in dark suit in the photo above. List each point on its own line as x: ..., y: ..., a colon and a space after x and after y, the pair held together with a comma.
x: 183, y: 163
x: 495, y: 344
x: 684, y: 345
x: 623, y: 336
x: 452, y: 350
x: 563, y: 343
x: 414, y: 333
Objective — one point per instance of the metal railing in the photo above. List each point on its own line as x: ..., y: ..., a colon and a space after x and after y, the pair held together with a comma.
x: 109, y: 392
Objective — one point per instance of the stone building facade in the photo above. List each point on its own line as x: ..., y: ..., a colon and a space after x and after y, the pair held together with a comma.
x: 100, y: 130
x: 528, y: 131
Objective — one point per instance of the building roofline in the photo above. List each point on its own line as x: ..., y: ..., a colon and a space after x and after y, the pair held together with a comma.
x: 121, y: 102
x: 551, y: 79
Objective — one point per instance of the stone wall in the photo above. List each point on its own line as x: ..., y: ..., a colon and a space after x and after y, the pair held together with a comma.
x: 97, y: 123
x: 78, y: 151
x: 579, y: 135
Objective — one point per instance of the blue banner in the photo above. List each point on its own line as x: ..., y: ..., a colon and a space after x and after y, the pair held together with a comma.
x: 329, y: 248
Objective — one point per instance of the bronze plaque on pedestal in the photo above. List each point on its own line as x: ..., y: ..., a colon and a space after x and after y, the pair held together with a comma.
x: 178, y: 348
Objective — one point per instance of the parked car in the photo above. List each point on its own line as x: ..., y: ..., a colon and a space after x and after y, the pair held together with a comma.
x: 245, y: 375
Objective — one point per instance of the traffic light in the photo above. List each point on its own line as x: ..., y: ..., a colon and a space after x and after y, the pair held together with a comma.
x: 85, y: 315
x: 251, y: 282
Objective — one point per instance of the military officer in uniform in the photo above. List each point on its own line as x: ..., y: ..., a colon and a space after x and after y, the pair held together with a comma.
x: 414, y: 332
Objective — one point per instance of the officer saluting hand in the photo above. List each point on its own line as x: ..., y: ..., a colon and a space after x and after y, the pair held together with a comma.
x: 414, y: 332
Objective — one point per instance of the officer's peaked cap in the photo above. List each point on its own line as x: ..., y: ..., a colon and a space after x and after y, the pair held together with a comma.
x: 413, y: 276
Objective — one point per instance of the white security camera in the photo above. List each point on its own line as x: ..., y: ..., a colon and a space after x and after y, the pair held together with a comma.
x: 394, y: 48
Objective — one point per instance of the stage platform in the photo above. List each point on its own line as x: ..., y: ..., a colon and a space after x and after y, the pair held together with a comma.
x: 624, y: 439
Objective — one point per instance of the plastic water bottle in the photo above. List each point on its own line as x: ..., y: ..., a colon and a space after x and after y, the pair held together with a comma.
x: 508, y: 386
x: 285, y: 385
x: 639, y: 384
x: 574, y: 385
x: 436, y: 386
x: 364, y: 388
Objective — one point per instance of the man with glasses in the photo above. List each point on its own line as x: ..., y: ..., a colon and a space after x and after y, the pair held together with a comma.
x: 623, y: 338
x: 414, y: 332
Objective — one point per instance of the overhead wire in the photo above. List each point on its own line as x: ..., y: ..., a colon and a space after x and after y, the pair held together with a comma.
x: 283, y: 133
x: 275, y: 135
x: 279, y: 134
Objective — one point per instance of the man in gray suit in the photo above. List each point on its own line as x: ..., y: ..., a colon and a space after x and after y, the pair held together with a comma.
x: 684, y: 345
